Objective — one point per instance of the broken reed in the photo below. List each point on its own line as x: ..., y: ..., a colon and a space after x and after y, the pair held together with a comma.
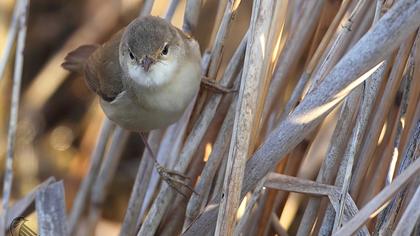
x: 327, y: 106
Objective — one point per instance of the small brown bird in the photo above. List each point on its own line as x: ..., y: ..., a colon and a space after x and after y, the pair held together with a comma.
x: 145, y: 76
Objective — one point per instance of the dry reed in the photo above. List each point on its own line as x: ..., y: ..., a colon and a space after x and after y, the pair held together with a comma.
x: 296, y: 63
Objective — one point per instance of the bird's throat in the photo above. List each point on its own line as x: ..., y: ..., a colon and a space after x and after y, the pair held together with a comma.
x: 158, y: 75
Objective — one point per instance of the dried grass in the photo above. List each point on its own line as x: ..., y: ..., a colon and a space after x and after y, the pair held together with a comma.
x: 297, y: 62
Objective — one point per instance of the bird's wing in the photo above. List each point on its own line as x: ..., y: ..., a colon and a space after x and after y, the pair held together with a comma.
x: 100, y: 64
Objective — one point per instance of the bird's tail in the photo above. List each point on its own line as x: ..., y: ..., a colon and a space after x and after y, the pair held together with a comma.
x: 76, y: 59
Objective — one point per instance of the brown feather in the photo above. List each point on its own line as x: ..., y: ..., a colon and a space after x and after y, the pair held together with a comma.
x: 103, y: 72
x: 153, y: 30
x: 76, y: 59
x: 100, y: 65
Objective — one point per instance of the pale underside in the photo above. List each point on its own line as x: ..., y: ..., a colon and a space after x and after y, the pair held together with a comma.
x: 156, y: 108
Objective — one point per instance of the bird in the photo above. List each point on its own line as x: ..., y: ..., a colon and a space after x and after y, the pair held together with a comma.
x: 145, y: 75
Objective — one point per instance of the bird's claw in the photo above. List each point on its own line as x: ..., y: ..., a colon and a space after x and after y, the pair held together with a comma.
x: 216, y: 87
x: 175, y: 180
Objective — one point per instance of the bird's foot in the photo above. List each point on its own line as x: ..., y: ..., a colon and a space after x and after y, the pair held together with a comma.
x: 175, y: 180
x: 214, y: 86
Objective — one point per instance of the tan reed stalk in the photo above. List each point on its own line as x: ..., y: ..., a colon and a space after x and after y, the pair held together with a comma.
x: 375, y: 46
x: 81, y: 198
x: 21, y: 19
x: 252, y: 84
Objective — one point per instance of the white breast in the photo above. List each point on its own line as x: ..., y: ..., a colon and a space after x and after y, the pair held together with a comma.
x: 159, y: 74
x: 176, y: 94
x: 160, y: 105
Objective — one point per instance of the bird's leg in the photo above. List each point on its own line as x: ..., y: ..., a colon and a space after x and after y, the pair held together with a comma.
x: 214, y: 86
x: 173, y: 178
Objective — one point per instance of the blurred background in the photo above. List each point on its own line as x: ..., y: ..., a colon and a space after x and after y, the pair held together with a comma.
x: 59, y: 118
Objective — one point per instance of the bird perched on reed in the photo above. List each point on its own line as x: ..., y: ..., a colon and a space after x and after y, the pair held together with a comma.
x: 145, y: 77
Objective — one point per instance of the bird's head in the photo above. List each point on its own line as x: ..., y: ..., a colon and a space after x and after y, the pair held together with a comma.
x: 151, y: 50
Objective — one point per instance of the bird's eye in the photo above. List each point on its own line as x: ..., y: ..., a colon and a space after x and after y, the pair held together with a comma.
x: 165, y: 49
x: 131, y: 55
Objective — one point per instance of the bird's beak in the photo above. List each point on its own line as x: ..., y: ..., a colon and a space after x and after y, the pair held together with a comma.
x: 146, y: 63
